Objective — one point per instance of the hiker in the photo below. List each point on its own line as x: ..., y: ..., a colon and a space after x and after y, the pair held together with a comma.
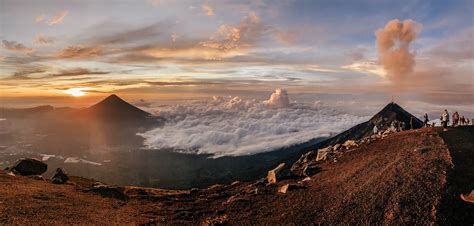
x: 455, y: 119
x: 425, y: 122
x: 403, y: 125
x: 376, y: 130
x: 462, y: 121
x: 444, y: 119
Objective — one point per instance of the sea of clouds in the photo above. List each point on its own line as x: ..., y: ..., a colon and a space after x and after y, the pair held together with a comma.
x: 231, y: 126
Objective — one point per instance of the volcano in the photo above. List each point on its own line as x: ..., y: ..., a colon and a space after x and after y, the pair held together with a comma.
x: 115, y: 108
x: 383, y: 119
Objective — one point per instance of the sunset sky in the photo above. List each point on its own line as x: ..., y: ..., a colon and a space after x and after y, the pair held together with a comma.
x: 161, y: 49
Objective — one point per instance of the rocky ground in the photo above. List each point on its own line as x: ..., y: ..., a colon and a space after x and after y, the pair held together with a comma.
x: 408, y: 177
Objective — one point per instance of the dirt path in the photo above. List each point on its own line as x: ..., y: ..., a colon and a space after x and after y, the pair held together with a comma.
x: 453, y: 210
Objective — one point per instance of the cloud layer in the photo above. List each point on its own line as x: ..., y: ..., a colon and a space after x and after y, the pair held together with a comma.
x: 232, y: 126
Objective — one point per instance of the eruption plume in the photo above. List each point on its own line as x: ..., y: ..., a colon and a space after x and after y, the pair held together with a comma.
x: 393, y: 45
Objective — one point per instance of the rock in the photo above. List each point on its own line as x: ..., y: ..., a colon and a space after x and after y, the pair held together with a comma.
x: 219, y: 220
x: 349, y: 143
x: 109, y: 191
x: 28, y: 167
x: 323, y: 153
x: 287, y: 187
x: 310, y: 170
x: 60, y: 177
x: 276, y: 174
x: 298, y: 167
x: 336, y: 147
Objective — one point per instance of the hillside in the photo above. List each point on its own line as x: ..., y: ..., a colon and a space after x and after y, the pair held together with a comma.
x: 408, y: 177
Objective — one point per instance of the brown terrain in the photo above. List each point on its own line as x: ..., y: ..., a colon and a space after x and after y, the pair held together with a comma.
x: 411, y: 177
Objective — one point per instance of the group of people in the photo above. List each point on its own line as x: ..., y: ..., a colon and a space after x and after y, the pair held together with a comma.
x: 457, y: 120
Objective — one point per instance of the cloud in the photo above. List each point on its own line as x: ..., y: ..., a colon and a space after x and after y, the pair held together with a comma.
x: 16, y: 47
x: 79, y: 51
x: 233, y: 126
x: 57, y: 19
x: 39, y: 18
x: 366, y: 67
x: 393, y: 45
x: 279, y: 98
x: 77, y: 72
x: 232, y: 37
x: 41, y: 39
x: 208, y: 10
x: 26, y: 71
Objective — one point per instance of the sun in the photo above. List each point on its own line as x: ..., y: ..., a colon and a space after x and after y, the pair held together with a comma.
x: 77, y: 92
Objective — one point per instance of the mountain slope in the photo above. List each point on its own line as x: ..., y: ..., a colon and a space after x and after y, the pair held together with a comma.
x: 400, y: 179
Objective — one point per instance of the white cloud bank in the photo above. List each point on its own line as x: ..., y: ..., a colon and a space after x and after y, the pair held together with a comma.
x: 232, y: 126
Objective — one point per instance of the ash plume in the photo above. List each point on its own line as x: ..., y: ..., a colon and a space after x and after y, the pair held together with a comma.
x: 393, y: 45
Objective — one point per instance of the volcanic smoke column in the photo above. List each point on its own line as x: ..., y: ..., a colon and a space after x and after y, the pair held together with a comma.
x: 393, y: 45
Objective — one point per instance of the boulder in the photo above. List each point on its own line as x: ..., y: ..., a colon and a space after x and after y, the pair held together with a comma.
x: 60, y: 177
x: 336, y: 147
x: 29, y: 166
x: 276, y: 174
x: 323, y: 153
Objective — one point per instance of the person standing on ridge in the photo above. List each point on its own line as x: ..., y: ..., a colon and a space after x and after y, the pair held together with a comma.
x: 376, y: 130
x: 425, y: 122
x: 445, y: 119
x: 455, y: 119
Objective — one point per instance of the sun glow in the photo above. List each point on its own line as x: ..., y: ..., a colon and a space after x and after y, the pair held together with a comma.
x: 77, y: 92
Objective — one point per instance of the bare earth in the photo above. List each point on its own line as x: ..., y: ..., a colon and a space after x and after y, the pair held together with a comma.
x: 411, y: 177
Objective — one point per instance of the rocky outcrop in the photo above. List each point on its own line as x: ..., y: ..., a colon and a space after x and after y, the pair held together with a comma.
x: 28, y: 167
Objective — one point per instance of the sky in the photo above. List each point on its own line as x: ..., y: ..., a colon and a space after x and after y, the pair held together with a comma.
x: 419, y: 52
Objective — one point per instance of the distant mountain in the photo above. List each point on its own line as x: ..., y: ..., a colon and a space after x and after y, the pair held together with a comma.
x: 23, y: 112
x: 117, y: 110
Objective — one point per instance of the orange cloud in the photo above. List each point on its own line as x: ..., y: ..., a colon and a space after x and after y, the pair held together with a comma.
x: 57, y: 19
x: 208, y: 10
x: 230, y: 37
x: 79, y: 51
